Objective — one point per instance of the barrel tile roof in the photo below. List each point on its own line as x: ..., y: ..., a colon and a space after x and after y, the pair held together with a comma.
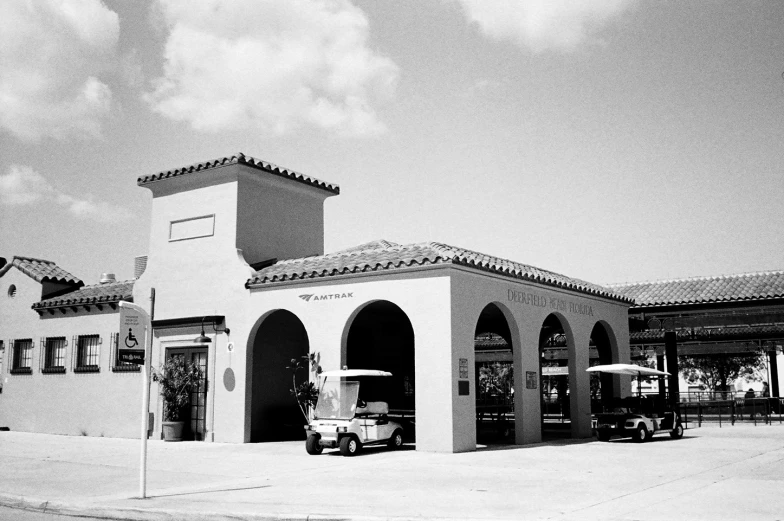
x: 387, y: 256
x: 703, y: 290
x: 241, y: 159
x: 42, y: 270
x: 95, y: 294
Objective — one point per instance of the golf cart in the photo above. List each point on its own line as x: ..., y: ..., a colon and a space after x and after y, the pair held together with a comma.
x: 637, y: 418
x: 342, y: 420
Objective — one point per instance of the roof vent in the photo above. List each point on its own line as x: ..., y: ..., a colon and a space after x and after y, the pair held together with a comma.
x: 107, y: 278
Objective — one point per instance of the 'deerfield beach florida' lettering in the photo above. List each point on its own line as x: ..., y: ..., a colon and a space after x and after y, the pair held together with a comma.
x: 532, y: 299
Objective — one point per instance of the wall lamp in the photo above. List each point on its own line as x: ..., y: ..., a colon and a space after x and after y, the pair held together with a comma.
x: 204, y: 339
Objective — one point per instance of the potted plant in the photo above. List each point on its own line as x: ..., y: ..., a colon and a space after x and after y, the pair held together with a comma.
x: 176, y: 380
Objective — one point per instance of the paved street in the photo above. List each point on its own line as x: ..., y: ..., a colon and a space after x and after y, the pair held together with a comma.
x: 712, y: 473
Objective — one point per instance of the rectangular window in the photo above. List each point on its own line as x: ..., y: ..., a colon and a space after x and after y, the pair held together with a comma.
x: 87, y: 350
x: 22, y: 357
x: 54, y: 355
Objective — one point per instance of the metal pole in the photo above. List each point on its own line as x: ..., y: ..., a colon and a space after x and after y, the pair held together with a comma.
x: 145, y: 420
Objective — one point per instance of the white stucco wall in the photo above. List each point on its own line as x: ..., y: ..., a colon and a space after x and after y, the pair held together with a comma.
x: 93, y: 404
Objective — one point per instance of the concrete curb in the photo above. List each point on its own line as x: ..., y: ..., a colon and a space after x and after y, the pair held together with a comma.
x: 108, y: 512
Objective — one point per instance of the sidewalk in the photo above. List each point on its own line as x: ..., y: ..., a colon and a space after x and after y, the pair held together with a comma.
x: 712, y: 473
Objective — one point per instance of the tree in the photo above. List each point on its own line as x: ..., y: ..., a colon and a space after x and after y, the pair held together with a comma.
x: 718, y: 372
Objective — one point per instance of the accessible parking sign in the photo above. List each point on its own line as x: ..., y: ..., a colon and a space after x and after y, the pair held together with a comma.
x: 130, y: 346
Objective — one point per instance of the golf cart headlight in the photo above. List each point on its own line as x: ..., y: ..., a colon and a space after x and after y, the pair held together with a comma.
x: 342, y: 429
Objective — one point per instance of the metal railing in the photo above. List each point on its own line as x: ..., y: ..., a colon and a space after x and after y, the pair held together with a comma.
x: 730, y: 411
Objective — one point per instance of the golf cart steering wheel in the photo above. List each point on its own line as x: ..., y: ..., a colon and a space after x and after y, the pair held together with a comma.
x: 361, y: 403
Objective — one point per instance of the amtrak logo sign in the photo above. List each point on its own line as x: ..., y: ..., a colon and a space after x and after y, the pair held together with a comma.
x: 326, y: 296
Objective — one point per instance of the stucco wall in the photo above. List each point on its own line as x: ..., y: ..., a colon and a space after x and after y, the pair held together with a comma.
x: 93, y: 404
x: 423, y: 297
x: 278, y: 218
x: 578, y: 312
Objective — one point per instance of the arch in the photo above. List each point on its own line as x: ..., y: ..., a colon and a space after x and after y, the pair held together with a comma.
x: 275, y: 339
x: 555, y: 343
x: 604, y: 350
x: 495, y: 336
x: 379, y: 335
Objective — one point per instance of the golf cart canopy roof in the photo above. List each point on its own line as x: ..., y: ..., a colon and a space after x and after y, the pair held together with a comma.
x: 631, y: 369
x: 346, y: 373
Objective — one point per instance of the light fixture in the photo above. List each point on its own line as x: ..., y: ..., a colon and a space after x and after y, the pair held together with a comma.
x: 204, y: 339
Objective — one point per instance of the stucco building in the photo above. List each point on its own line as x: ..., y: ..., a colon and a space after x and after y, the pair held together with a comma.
x: 236, y: 249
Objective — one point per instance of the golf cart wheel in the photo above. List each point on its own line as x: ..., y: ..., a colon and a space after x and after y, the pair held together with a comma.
x: 677, y: 432
x: 603, y: 436
x: 349, y: 446
x: 641, y: 434
x: 396, y: 441
x: 312, y: 445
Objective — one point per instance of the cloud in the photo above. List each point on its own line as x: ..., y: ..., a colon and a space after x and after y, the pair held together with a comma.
x: 274, y: 66
x: 24, y: 186
x: 52, y: 55
x: 560, y: 25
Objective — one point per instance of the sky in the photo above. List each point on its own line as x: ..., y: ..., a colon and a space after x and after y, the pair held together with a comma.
x: 608, y: 140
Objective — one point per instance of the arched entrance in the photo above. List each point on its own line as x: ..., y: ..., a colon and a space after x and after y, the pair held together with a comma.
x: 602, y: 384
x: 381, y: 337
x: 554, y: 378
x: 275, y: 415
x: 494, y: 377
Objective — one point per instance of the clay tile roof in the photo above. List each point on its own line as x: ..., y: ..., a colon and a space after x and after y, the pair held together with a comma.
x: 703, y: 290
x: 96, y: 294
x: 241, y: 159
x: 385, y: 255
x: 43, y: 270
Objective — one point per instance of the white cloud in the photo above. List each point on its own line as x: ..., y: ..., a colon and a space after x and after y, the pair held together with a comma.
x: 272, y: 65
x: 543, y: 24
x: 52, y: 54
x: 24, y: 186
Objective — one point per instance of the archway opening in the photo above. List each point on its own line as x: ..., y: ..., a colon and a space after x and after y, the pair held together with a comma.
x: 554, y: 378
x: 381, y: 337
x: 275, y: 415
x: 602, y: 384
x: 494, y: 377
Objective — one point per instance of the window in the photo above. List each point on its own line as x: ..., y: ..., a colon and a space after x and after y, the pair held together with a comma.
x: 22, y: 357
x: 11, y: 291
x: 2, y: 357
x: 54, y: 355
x: 87, y: 349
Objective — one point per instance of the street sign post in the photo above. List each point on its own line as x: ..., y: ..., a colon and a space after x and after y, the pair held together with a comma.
x: 136, y: 330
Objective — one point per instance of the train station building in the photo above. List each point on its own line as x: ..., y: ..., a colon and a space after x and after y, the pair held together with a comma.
x: 236, y: 252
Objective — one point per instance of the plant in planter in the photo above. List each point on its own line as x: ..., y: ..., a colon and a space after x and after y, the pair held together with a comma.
x: 306, y: 392
x: 176, y: 379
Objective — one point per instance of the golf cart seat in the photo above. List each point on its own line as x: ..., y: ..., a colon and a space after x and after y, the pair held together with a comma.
x: 373, y: 408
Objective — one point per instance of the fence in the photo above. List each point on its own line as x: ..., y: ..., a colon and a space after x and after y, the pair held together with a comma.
x: 730, y: 411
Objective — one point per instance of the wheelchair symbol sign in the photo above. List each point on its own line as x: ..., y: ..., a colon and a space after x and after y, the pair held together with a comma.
x: 130, y: 345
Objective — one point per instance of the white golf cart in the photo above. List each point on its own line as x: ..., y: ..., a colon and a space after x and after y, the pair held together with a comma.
x: 631, y: 417
x: 342, y: 420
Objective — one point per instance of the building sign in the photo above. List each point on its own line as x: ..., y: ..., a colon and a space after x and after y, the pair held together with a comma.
x: 530, y: 380
x: 312, y: 297
x: 130, y: 341
x: 556, y: 304
x: 555, y: 371
x: 192, y: 228
x: 464, y: 368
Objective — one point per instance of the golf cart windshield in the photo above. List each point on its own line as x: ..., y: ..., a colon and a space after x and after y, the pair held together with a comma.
x: 337, y: 400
